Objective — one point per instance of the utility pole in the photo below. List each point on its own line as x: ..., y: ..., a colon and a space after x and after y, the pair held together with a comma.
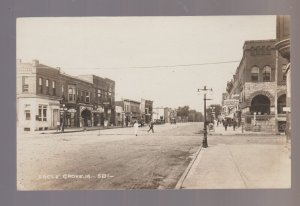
x: 204, y: 142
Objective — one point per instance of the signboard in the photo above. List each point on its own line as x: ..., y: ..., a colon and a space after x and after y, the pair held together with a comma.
x: 72, y: 110
x: 286, y: 109
x: 231, y: 102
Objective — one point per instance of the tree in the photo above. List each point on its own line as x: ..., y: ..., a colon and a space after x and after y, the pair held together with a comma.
x: 183, y: 112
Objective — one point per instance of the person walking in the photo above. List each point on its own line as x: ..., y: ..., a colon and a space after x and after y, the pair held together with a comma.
x: 234, y: 124
x: 151, y: 127
x: 136, y: 127
x: 57, y: 126
x: 225, y: 124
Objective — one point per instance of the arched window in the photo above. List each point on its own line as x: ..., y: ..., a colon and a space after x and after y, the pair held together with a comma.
x: 266, y: 74
x: 281, y: 103
x: 260, y: 105
x: 254, y: 74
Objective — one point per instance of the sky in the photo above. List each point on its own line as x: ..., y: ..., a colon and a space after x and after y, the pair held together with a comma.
x: 163, y: 59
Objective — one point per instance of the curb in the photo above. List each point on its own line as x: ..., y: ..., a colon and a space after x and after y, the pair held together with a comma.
x: 82, y: 130
x: 246, y: 134
x: 187, y: 170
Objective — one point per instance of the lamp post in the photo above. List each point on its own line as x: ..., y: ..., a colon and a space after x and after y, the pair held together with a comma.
x: 204, y: 142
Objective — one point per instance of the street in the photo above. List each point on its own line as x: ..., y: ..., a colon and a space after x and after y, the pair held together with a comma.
x: 115, y: 159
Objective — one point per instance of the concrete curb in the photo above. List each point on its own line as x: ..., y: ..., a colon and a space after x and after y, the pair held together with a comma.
x: 187, y: 170
x: 81, y: 130
x: 245, y: 134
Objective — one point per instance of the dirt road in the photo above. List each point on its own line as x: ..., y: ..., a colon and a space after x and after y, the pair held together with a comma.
x: 114, y: 160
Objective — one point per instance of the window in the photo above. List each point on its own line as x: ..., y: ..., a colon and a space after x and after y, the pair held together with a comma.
x: 71, y: 93
x: 254, y: 74
x: 82, y: 96
x: 27, y: 114
x: 53, y: 87
x: 283, y: 68
x: 25, y: 84
x: 47, y: 86
x: 41, y: 85
x: 42, y: 113
x: 99, y: 93
x: 87, y: 96
x: 267, y: 74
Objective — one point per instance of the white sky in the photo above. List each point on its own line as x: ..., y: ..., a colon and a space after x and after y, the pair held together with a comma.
x: 111, y: 46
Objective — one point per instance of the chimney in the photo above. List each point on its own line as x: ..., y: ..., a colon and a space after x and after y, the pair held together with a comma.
x: 58, y: 68
x: 35, y: 62
x: 19, y: 61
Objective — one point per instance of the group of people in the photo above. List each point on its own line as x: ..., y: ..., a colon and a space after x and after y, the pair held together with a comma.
x: 136, y: 127
x: 228, y: 122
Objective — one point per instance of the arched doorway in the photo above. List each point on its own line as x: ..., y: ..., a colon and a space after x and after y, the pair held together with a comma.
x: 260, y: 104
x: 281, y: 102
x: 86, y: 116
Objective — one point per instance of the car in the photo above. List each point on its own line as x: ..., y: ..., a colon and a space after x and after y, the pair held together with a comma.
x: 173, y: 121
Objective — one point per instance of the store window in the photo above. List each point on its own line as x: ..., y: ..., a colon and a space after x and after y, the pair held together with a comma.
x: 42, y: 114
x: 27, y: 114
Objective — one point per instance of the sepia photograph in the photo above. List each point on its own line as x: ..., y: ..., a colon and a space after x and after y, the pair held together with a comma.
x: 166, y: 103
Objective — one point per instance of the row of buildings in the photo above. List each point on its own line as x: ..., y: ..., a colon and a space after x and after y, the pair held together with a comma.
x: 47, y: 96
x: 258, y: 94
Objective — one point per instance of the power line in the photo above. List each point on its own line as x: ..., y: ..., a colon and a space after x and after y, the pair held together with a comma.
x: 162, y: 66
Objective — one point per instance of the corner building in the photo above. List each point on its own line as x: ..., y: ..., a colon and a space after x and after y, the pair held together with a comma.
x: 45, y: 96
x: 260, y: 85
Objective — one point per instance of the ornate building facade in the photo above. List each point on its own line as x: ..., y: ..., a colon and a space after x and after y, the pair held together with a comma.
x: 259, y: 84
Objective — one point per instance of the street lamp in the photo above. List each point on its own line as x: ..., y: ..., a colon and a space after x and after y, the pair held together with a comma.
x: 204, y: 142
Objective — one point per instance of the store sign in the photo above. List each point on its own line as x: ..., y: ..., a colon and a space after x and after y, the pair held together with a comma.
x: 72, y: 110
x: 231, y: 102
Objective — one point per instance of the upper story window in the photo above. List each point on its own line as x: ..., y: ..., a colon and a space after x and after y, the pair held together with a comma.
x: 87, y: 97
x: 254, y: 74
x: 284, y: 72
x: 54, y: 87
x: 27, y: 114
x: 82, y: 96
x: 25, y: 86
x: 266, y: 74
x: 41, y: 85
x: 47, y: 86
x: 71, y: 94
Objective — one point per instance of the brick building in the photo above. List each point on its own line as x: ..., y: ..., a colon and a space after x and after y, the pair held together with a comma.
x: 131, y: 109
x: 45, y: 96
x: 260, y: 85
x: 146, y: 110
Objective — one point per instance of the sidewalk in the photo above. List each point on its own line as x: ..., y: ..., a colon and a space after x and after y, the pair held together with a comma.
x: 220, y: 130
x: 239, y: 164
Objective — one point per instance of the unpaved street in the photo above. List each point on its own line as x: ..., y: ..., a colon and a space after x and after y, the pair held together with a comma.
x: 115, y: 159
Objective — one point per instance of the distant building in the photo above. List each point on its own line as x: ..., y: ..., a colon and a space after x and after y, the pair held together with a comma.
x: 146, y: 110
x: 45, y: 96
x: 258, y: 88
x: 164, y: 114
x: 131, y: 109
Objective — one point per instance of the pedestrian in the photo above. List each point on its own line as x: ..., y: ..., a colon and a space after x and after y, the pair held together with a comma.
x: 136, y: 127
x: 57, y: 126
x: 225, y: 124
x: 234, y: 124
x: 151, y: 127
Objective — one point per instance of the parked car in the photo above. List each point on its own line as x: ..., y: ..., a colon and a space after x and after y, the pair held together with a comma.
x: 173, y: 121
x: 159, y: 121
